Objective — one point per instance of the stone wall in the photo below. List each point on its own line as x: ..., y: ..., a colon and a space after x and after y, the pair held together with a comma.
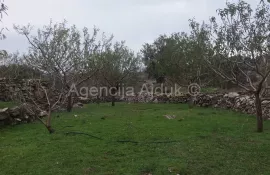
x: 234, y: 101
x: 240, y: 102
x: 18, y: 90
x: 25, y: 113
x: 14, y: 89
x: 237, y: 101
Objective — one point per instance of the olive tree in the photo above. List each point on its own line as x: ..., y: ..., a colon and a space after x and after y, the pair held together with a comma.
x: 177, y: 59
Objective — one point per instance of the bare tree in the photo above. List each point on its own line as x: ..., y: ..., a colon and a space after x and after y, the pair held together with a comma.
x: 62, y: 55
x: 41, y: 99
x: 118, y: 65
x: 238, y: 48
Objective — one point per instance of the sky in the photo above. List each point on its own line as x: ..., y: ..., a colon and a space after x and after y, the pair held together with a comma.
x: 135, y: 21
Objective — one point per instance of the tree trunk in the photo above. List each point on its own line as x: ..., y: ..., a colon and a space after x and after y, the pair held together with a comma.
x: 114, y: 91
x: 113, y: 100
x: 48, y: 123
x: 69, y: 103
x: 49, y: 128
x: 259, y: 113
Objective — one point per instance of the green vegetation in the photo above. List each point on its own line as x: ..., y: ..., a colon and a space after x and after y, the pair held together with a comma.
x: 209, y: 90
x: 7, y: 104
x: 198, y: 141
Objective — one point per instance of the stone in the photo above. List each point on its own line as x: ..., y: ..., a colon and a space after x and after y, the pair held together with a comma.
x: 84, y: 100
x: 266, y: 102
x: 42, y: 114
x: 155, y: 101
x: 170, y: 117
x: 233, y: 95
x: 17, y: 119
x: 14, y: 88
x: 29, y: 110
x: 4, y: 114
x: 251, y: 102
x: 15, y: 112
x: 238, y: 104
x: 78, y: 105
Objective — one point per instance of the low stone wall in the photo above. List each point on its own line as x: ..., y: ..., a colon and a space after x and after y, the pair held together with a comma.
x: 234, y: 101
x: 240, y: 102
x: 11, y: 89
x: 24, y: 113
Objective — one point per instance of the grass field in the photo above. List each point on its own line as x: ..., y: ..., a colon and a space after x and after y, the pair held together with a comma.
x: 6, y: 104
x: 137, y: 139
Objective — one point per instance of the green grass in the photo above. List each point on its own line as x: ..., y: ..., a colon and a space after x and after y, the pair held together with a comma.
x: 7, y: 104
x: 198, y: 141
x: 209, y: 90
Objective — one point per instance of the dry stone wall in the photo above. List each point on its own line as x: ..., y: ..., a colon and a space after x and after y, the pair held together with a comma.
x: 11, y: 89
x: 18, y: 90
x: 24, y: 113
x: 240, y: 102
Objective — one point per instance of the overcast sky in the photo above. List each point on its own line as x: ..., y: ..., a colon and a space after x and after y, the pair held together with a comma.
x: 135, y: 21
